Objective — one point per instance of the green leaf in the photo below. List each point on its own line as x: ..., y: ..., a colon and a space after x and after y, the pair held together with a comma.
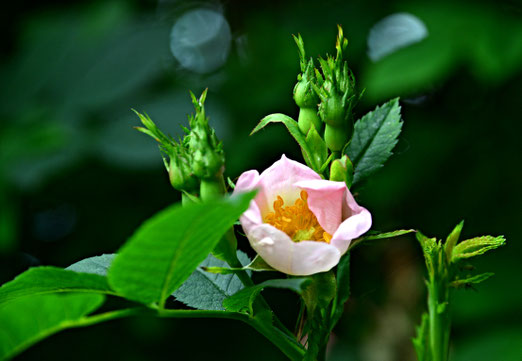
x: 43, y: 280
x: 206, y: 291
x: 476, y: 246
x: 167, y: 248
x: 318, y: 148
x: 258, y: 265
x: 374, y: 137
x: 317, y: 297
x: 371, y: 236
x: 452, y: 240
x: 427, y: 244
x: 320, y: 291
x: 468, y: 281
x: 30, y: 319
x: 97, y: 265
x: 343, y: 289
x: 293, y: 129
x: 421, y: 342
x: 430, y: 249
x: 243, y: 300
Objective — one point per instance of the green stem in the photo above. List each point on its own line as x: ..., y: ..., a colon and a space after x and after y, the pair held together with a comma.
x: 107, y: 316
x: 287, y: 345
x: 439, y: 321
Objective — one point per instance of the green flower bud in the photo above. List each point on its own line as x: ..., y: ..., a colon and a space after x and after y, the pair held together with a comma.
x: 338, y: 97
x: 304, y: 94
x: 180, y: 175
x: 196, y: 159
x: 336, y: 137
x: 208, y: 158
x: 307, y: 118
x: 341, y: 170
x: 333, y: 111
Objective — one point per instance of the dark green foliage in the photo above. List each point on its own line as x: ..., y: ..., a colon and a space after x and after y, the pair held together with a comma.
x: 206, y: 291
x: 244, y: 299
x: 98, y: 265
x: 343, y: 289
x: 375, y: 135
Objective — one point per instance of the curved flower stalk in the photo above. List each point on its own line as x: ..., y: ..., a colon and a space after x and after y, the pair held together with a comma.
x: 299, y: 223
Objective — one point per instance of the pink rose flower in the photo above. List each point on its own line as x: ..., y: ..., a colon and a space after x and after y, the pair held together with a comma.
x: 299, y: 223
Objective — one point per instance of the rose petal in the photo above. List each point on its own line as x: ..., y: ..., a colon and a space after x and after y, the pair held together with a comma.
x: 351, y: 228
x: 248, y: 181
x: 279, y: 180
x: 325, y: 200
x: 299, y: 259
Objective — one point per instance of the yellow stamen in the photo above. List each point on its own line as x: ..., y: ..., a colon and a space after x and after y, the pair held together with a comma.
x: 297, y: 221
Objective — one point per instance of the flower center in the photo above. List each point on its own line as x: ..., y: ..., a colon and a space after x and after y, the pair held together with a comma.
x: 297, y: 221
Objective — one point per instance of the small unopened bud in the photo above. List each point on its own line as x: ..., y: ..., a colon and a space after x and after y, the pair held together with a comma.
x: 338, y: 97
x: 337, y: 137
x: 304, y: 94
x: 208, y: 158
x: 341, y: 170
x: 307, y: 118
x: 180, y: 175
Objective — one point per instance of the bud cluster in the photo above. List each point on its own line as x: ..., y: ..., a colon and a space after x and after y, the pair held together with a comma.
x: 326, y: 97
x: 196, y: 162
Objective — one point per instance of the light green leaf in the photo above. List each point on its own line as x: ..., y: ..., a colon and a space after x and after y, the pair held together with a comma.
x: 370, y: 236
x: 30, y: 319
x: 318, y: 148
x: 464, y: 282
x: 43, y: 280
x: 421, y: 342
x: 476, y: 246
x: 375, y: 135
x: 97, y: 265
x: 431, y: 249
x: 206, y: 291
x: 258, y: 265
x: 243, y: 300
x: 427, y: 244
x: 167, y: 248
x: 293, y: 129
x: 452, y: 240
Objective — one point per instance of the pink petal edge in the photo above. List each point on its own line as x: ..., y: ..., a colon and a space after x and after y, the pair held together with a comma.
x: 279, y: 179
x: 351, y: 228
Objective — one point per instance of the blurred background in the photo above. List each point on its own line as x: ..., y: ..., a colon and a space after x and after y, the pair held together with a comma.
x: 76, y: 179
